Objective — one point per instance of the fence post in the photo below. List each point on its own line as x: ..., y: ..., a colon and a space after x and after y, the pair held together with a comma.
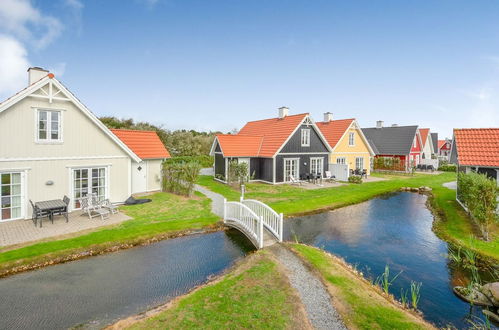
x: 280, y: 226
x: 260, y: 229
x: 225, y: 209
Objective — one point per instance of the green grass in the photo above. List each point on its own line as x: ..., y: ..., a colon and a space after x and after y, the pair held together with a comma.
x: 360, y: 304
x: 257, y: 297
x: 167, y: 213
x: 455, y: 226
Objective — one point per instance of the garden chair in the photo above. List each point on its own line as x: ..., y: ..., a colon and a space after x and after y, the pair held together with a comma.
x: 364, y: 173
x: 329, y: 176
x: 294, y: 181
x: 91, y: 209
x: 108, y: 205
x: 38, y: 214
x: 63, y: 211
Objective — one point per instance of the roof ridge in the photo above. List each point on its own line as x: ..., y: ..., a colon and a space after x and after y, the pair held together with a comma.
x: 133, y: 130
x: 298, y: 114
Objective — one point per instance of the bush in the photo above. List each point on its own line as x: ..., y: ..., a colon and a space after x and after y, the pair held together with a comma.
x: 203, y: 160
x: 447, y: 168
x: 388, y: 163
x: 355, y: 179
x: 238, y: 172
x: 179, y: 178
x: 479, y: 194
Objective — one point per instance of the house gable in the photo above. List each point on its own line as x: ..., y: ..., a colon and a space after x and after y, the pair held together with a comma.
x: 360, y: 142
x: 82, y: 133
x: 293, y: 145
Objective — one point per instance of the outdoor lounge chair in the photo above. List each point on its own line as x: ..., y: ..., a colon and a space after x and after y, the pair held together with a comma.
x: 92, y: 210
x: 292, y: 180
x: 108, y: 205
x: 329, y: 176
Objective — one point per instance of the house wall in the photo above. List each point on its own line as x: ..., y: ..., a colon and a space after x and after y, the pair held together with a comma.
x: 219, y: 164
x: 350, y: 153
x: 304, y: 167
x: 154, y: 167
x: 426, y: 151
x: 294, y: 143
x: 84, y: 144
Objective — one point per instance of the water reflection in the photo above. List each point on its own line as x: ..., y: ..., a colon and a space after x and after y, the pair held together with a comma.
x: 101, y: 289
x: 395, y: 229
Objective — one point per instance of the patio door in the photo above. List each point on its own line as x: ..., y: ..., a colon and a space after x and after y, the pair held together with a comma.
x: 359, y: 163
x: 317, y: 166
x: 291, y: 168
x: 89, y: 180
x: 11, y: 195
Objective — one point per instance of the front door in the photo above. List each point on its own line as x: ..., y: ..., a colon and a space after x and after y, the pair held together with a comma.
x: 291, y: 169
x: 139, y: 177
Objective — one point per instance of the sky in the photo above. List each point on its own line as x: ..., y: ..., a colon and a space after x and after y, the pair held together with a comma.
x: 214, y: 65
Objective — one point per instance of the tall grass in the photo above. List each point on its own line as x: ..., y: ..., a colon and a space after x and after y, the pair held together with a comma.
x: 384, y: 280
x: 415, y: 293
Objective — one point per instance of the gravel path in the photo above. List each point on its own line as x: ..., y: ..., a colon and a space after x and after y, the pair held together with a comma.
x: 451, y: 185
x: 217, y: 205
x: 312, y: 292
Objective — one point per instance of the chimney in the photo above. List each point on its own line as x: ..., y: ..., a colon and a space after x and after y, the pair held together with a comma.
x: 35, y: 73
x: 328, y: 116
x: 379, y: 124
x: 283, y: 112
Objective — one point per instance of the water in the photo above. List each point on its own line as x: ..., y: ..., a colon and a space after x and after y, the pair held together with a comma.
x: 396, y: 230
x: 99, y: 290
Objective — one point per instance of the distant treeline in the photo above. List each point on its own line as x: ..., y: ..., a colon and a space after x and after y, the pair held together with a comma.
x: 178, y: 143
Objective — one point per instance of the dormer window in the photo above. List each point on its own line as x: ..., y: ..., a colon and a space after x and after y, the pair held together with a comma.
x: 305, y: 137
x: 351, y: 139
x: 48, y: 126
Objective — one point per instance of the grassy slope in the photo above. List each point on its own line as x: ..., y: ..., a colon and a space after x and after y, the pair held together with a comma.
x: 358, y: 302
x: 167, y: 213
x: 292, y: 200
x: 256, y: 295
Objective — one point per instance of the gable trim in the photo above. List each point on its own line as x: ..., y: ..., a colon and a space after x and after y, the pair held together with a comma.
x: 34, y: 87
x: 363, y: 137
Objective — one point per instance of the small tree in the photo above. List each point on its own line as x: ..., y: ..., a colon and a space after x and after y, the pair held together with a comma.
x: 238, y: 172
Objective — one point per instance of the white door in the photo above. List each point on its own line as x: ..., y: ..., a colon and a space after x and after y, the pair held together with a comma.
x: 139, y: 177
x: 291, y: 169
x: 11, y: 195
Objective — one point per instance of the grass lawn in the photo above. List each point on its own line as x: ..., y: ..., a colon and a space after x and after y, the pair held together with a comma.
x: 360, y: 305
x: 255, y: 295
x: 455, y: 226
x: 165, y: 215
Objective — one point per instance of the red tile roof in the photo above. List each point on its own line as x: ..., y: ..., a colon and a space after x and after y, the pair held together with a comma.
x: 145, y: 144
x: 333, y: 130
x: 240, y: 145
x: 269, y: 133
x: 477, y: 146
x: 423, y: 132
x: 441, y: 143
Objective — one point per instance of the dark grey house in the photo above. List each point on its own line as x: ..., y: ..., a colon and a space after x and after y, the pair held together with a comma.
x: 277, y: 150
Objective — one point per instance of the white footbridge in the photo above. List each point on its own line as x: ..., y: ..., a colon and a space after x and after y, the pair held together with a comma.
x: 256, y: 220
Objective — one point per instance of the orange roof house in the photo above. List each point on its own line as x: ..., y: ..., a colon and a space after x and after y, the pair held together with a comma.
x: 348, y: 142
x: 145, y: 144
x: 264, y: 145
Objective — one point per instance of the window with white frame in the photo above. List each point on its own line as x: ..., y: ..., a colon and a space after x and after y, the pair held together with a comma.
x: 341, y: 160
x: 351, y: 139
x: 305, y: 137
x: 89, y: 181
x: 359, y: 163
x: 48, y: 126
x: 10, y: 195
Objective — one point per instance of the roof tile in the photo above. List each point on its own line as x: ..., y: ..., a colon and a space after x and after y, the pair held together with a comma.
x: 477, y: 146
x: 145, y: 144
x: 333, y: 130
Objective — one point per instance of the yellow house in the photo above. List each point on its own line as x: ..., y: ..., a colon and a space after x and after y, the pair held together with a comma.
x: 348, y: 143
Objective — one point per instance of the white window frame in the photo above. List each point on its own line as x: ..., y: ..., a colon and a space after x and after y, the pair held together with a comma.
x: 305, y: 137
x: 341, y: 160
x: 317, y: 161
x: 107, y: 173
x: 48, y: 140
x: 297, y: 168
x: 22, y: 194
x: 362, y: 161
x: 351, y: 139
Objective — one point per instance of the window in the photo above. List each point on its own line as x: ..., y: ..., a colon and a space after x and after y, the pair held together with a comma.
x: 89, y: 180
x: 359, y: 163
x: 305, y: 137
x: 351, y: 139
x: 49, y: 126
x: 10, y: 196
x: 291, y: 169
x: 317, y: 166
x: 414, y: 143
x: 341, y: 160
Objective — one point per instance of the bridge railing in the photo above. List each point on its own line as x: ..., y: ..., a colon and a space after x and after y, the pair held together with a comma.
x: 271, y: 219
x: 250, y: 222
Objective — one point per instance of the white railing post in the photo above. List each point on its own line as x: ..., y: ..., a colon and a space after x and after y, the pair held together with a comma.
x: 260, y: 229
x: 225, y: 209
x: 280, y: 226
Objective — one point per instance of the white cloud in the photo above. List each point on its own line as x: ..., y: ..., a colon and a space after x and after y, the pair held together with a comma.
x: 20, y: 18
x: 13, y: 65
x: 75, y: 10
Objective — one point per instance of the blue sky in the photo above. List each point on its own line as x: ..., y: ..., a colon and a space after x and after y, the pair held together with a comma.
x: 213, y: 65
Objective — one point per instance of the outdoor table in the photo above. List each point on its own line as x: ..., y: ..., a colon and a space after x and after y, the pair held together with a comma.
x: 51, y: 206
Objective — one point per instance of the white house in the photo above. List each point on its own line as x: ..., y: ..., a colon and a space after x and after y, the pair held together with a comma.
x: 51, y: 145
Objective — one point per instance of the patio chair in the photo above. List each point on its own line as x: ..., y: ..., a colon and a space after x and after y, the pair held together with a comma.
x: 329, y: 176
x: 294, y: 181
x: 39, y: 214
x: 93, y: 210
x: 364, y: 173
x: 62, y: 211
x: 108, y: 205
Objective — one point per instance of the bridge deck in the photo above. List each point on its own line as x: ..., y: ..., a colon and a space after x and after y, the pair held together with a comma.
x: 268, y: 238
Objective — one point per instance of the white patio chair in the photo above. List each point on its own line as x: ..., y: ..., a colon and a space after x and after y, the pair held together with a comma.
x: 329, y: 176
x: 106, y: 203
x: 292, y: 180
x: 91, y: 209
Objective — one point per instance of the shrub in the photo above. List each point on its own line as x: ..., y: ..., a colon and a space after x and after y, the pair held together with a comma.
x: 203, y: 160
x: 238, y: 172
x: 447, y: 168
x: 179, y: 178
x: 388, y: 163
x: 479, y: 194
x: 355, y: 179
